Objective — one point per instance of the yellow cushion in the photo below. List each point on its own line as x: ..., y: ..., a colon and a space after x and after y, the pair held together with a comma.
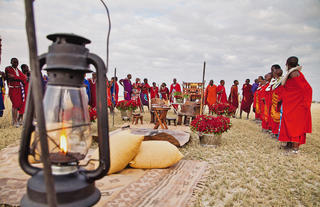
x: 124, y: 146
x: 156, y: 154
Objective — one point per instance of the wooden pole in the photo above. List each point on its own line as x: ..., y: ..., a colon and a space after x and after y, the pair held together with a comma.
x: 202, y: 91
x: 114, y: 93
x: 38, y: 104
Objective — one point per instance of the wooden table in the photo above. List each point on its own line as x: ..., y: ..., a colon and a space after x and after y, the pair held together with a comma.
x: 161, y: 115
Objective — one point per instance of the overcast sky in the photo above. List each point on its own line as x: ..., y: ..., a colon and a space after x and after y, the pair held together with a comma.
x: 164, y: 39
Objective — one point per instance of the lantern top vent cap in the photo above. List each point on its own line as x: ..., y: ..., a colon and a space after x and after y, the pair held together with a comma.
x: 62, y: 38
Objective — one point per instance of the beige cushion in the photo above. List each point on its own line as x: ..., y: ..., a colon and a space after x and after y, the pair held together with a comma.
x: 156, y: 154
x: 124, y: 146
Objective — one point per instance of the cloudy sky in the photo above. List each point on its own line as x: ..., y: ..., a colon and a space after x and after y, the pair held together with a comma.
x: 171, y: 38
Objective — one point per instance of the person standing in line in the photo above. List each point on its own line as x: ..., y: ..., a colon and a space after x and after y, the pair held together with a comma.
x: 275, y: 106
x: 14, y: 80
x: 164, y: 92
x: 114, y: 90
x: 154, y: 91
x: 2, y: 92
x: 210, y: 96
x: 174, y: 88
x: 93, y: 94
x: 221, y: 93
x: 234, y: 95
x: 296, y: 97
x: 247, y: 98
x: 145, y: 88
x: 136, y: 91
x: 24, y: 90
x: 127, y: 85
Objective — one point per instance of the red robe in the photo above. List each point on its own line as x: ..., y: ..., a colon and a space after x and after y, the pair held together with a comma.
x: 109, y: 98
x: 14, y: 84
x: 174, y: 88
x: 93, y: 101
x: 221, y: 94
x: 233, y: 97
x: 247, y: 98
x: 256, y: 104
x: 265, y: 106
x: 211, y: 95
x: 296, y: 121
x: 154, y: 92
x: 275, y: 110
x: 26, y: 87
x: 164, y: 93
x: 267, y: 95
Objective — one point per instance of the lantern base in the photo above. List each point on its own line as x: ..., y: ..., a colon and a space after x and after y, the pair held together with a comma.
x: 71, y: 190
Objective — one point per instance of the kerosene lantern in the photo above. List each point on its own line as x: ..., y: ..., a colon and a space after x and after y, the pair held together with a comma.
x: 67, y: 124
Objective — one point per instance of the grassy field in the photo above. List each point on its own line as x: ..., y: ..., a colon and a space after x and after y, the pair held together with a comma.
x: 248, y: 169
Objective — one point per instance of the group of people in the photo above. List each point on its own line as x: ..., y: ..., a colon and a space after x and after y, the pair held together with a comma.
x: 140, y: 92
x: 282, y: 104
x: 217, y: 95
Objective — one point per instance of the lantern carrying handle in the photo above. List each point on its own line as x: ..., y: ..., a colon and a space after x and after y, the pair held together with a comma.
x: 28, y: 128
x: 103, y: 123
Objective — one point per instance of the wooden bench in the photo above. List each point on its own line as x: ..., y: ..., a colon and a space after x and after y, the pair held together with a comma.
x: 136, y: 117
x: 186, y: 120
x: 169, y: 119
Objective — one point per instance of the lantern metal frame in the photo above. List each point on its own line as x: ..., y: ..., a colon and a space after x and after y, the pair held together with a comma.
x: 67, y: 55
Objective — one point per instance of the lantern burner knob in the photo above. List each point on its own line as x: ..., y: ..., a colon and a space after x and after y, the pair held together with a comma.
x: 62, y: 38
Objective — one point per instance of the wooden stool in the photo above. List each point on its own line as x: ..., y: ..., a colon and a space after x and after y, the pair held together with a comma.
x: 136, y: 117
x: 169, y: 119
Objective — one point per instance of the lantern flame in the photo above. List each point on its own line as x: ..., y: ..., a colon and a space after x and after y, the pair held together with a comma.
x: 63, y: 142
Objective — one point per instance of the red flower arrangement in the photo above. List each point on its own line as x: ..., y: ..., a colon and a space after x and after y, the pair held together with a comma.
x: 132, y: 105
x: 121, y: 105
x: 204, y: 124
x: 127, y: 105
x: 93, y: 114
x: 222, y: 109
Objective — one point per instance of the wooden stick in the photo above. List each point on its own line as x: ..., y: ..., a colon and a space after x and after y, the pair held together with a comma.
x: 37, y: 97
x: 202, y: 91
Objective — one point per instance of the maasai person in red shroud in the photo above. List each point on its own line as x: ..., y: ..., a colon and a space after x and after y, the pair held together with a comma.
x: 154, y: 91
x: 114, y: 91
x: 233, y: 97
x: 2, y: 92
x: 265, y: 103
x: 296, y: 99
x: 135, y: 95
x: 145, y: 88
x: 175, y: 87
x: 164, y: 91
x: 221, y: 93
x: 275, y: 107
x: 26, y: 72
x: 210, y: 96
x: 93, y: 95
x: 269, y: 90
x: 256, y: 98
x: 247, y: 98
x: 109, y: 97
x: 15, y: 79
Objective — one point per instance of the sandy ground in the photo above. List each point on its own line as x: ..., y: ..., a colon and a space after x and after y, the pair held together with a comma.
x: 247, y: 169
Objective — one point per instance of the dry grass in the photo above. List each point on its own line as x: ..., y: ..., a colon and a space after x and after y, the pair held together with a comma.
x: 248, y: 169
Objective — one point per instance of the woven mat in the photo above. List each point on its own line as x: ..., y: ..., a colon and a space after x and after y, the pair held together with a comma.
x: 173, y: 186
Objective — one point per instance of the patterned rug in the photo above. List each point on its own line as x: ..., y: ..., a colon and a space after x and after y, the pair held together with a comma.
x: 171, y: 187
